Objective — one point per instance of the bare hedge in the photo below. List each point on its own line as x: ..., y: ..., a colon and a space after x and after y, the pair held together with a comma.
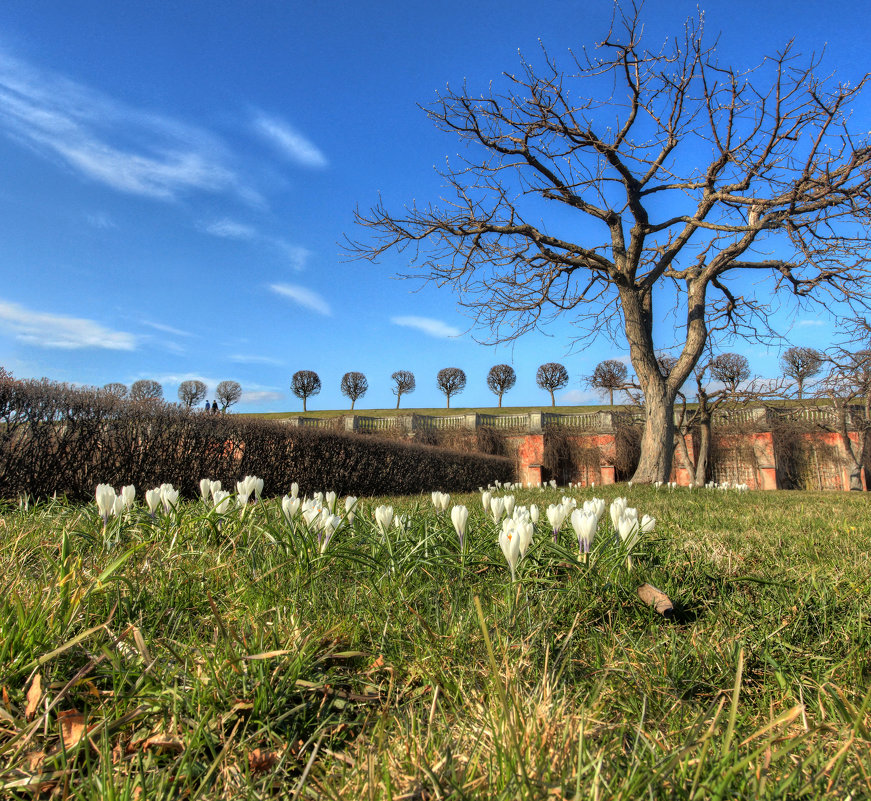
x: 55, y: 438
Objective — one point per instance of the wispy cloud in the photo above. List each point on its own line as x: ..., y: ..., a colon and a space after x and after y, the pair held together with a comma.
x: 100, y: 220
x: 303, y: 297
x: 811, y: 322
x: 288, y: 141
x: 167, y: 329
x: 429, y: 326
x: 260, y: 396
x: 107, y: 141
x: 230, y: 229
x: 46, y: 330
x: 241, y: 358
x: 295, y: 255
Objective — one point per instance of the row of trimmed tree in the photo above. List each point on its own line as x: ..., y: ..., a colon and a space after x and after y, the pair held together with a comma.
x: 451, y: 381
x: 190, y: 393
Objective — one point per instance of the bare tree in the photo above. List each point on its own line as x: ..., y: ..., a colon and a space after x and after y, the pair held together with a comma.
x: 688, y: 167
x: 146, y: 390
x: 451, y: 381
x: 552, y: 376
x: 304, y: 384
x: 404, y: 384
x: 228, y: 393
x: 800, y: 364
x: 118, y: 390
x: 500, y: 379
x: 354, y: 386
x: 608, y: 376
x: 190, y: 393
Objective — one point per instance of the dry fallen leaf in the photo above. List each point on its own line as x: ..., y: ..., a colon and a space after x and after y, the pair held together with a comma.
x: 72, y: 727
x: 35, y: 760
x: 261, y: 760
x: 34, y: 696
x: 163, y: 743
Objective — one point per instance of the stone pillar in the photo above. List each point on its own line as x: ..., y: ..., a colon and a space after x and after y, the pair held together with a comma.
x: 535, y: 425
x: 350, y: 422
x: 471, y: 421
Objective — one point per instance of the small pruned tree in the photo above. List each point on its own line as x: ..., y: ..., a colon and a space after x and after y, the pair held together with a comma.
x: 451, y: 381
x: 404, y: 383
x: 304, y: 384
x: 146, y: 389
x: 551, y: 377
x: 119, y: 391
x: 609, y: 376
x: 800, y: 364
x: 500, y: 379
x: 228, y: 393
x: 191, y: 393
x: 354, y: 386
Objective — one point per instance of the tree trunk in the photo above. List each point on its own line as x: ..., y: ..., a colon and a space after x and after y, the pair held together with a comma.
x: 552, y: 399
x: 851, y: 460
x: 352, y: 404
x: 680, y: 437
x: 611, y: 393
x: 657, y: 439
x: 500, y: 400
x: 704, y: 452
x: 303, y: 405
x: 398, y: 398
x: 449, y: 401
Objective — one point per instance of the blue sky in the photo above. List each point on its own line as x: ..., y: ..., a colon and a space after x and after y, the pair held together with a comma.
x: 176, y: 180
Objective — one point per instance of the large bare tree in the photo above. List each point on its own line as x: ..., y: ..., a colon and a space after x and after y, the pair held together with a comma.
x: 228, y: 393
x: 304, y: 384
x: 552, y: 377
x: 146, y: 389
x: 680, y: 186
x: 190, y: 393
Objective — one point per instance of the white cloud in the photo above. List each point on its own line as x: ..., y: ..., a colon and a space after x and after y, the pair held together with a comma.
x: 429, y: 326
x: 47, y: 330
x: 809, y: 322
x: 243, y: 359
x: 101, y: 220
x: 289, y: 142
x: 260, y: 396
x: 303, y: 297
x: 297, y: 256
x: 107, y: 141
x: 230, y: 229
x: 167, y: 329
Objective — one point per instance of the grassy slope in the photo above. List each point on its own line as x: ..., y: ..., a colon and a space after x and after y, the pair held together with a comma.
x: 238, y: 663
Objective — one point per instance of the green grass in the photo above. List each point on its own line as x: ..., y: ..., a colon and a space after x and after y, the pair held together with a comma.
x: 235, y: 661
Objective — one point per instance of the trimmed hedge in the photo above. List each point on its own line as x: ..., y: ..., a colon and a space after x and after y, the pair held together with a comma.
x: 55, y: 438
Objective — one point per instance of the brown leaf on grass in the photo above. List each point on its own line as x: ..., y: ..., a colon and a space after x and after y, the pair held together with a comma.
x: 161, y: 742
x: 6, y: 697
x: 72, y: 727
x: 34, y: 696
x: 35, y: 760
x: 261, y: 759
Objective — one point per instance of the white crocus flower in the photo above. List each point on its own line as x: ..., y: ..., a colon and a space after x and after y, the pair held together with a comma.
x: 508, y: 500
x: 585, y: 525
x: 205, y: 489
x: 525, y: 530
x: 294, y: 490
x: 401, y: 522
x: 350, y: 503
x: 486, y: 496
x: 257, y: 486
x: 556, y: 516
x: 329, y: 524
x: 105, y: 497
x: 618, y: 505
x: 497, y: 507
x: 384, y: 518
x: 243, y: 491
x: 290, y: 506
x: 152, y: 500
x: 168, y: 497
x: 222, y: 500
x: 533, y: 514
x: 118, y: 506
x: 647, y: 524
x: 214, y: 486
x: 330, y: 499
x: 128, y: 493
x: 460, y: 517
x: 509, y: 541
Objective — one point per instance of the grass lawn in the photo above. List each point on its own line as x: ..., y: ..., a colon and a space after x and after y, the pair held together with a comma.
x: 205, y: 656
